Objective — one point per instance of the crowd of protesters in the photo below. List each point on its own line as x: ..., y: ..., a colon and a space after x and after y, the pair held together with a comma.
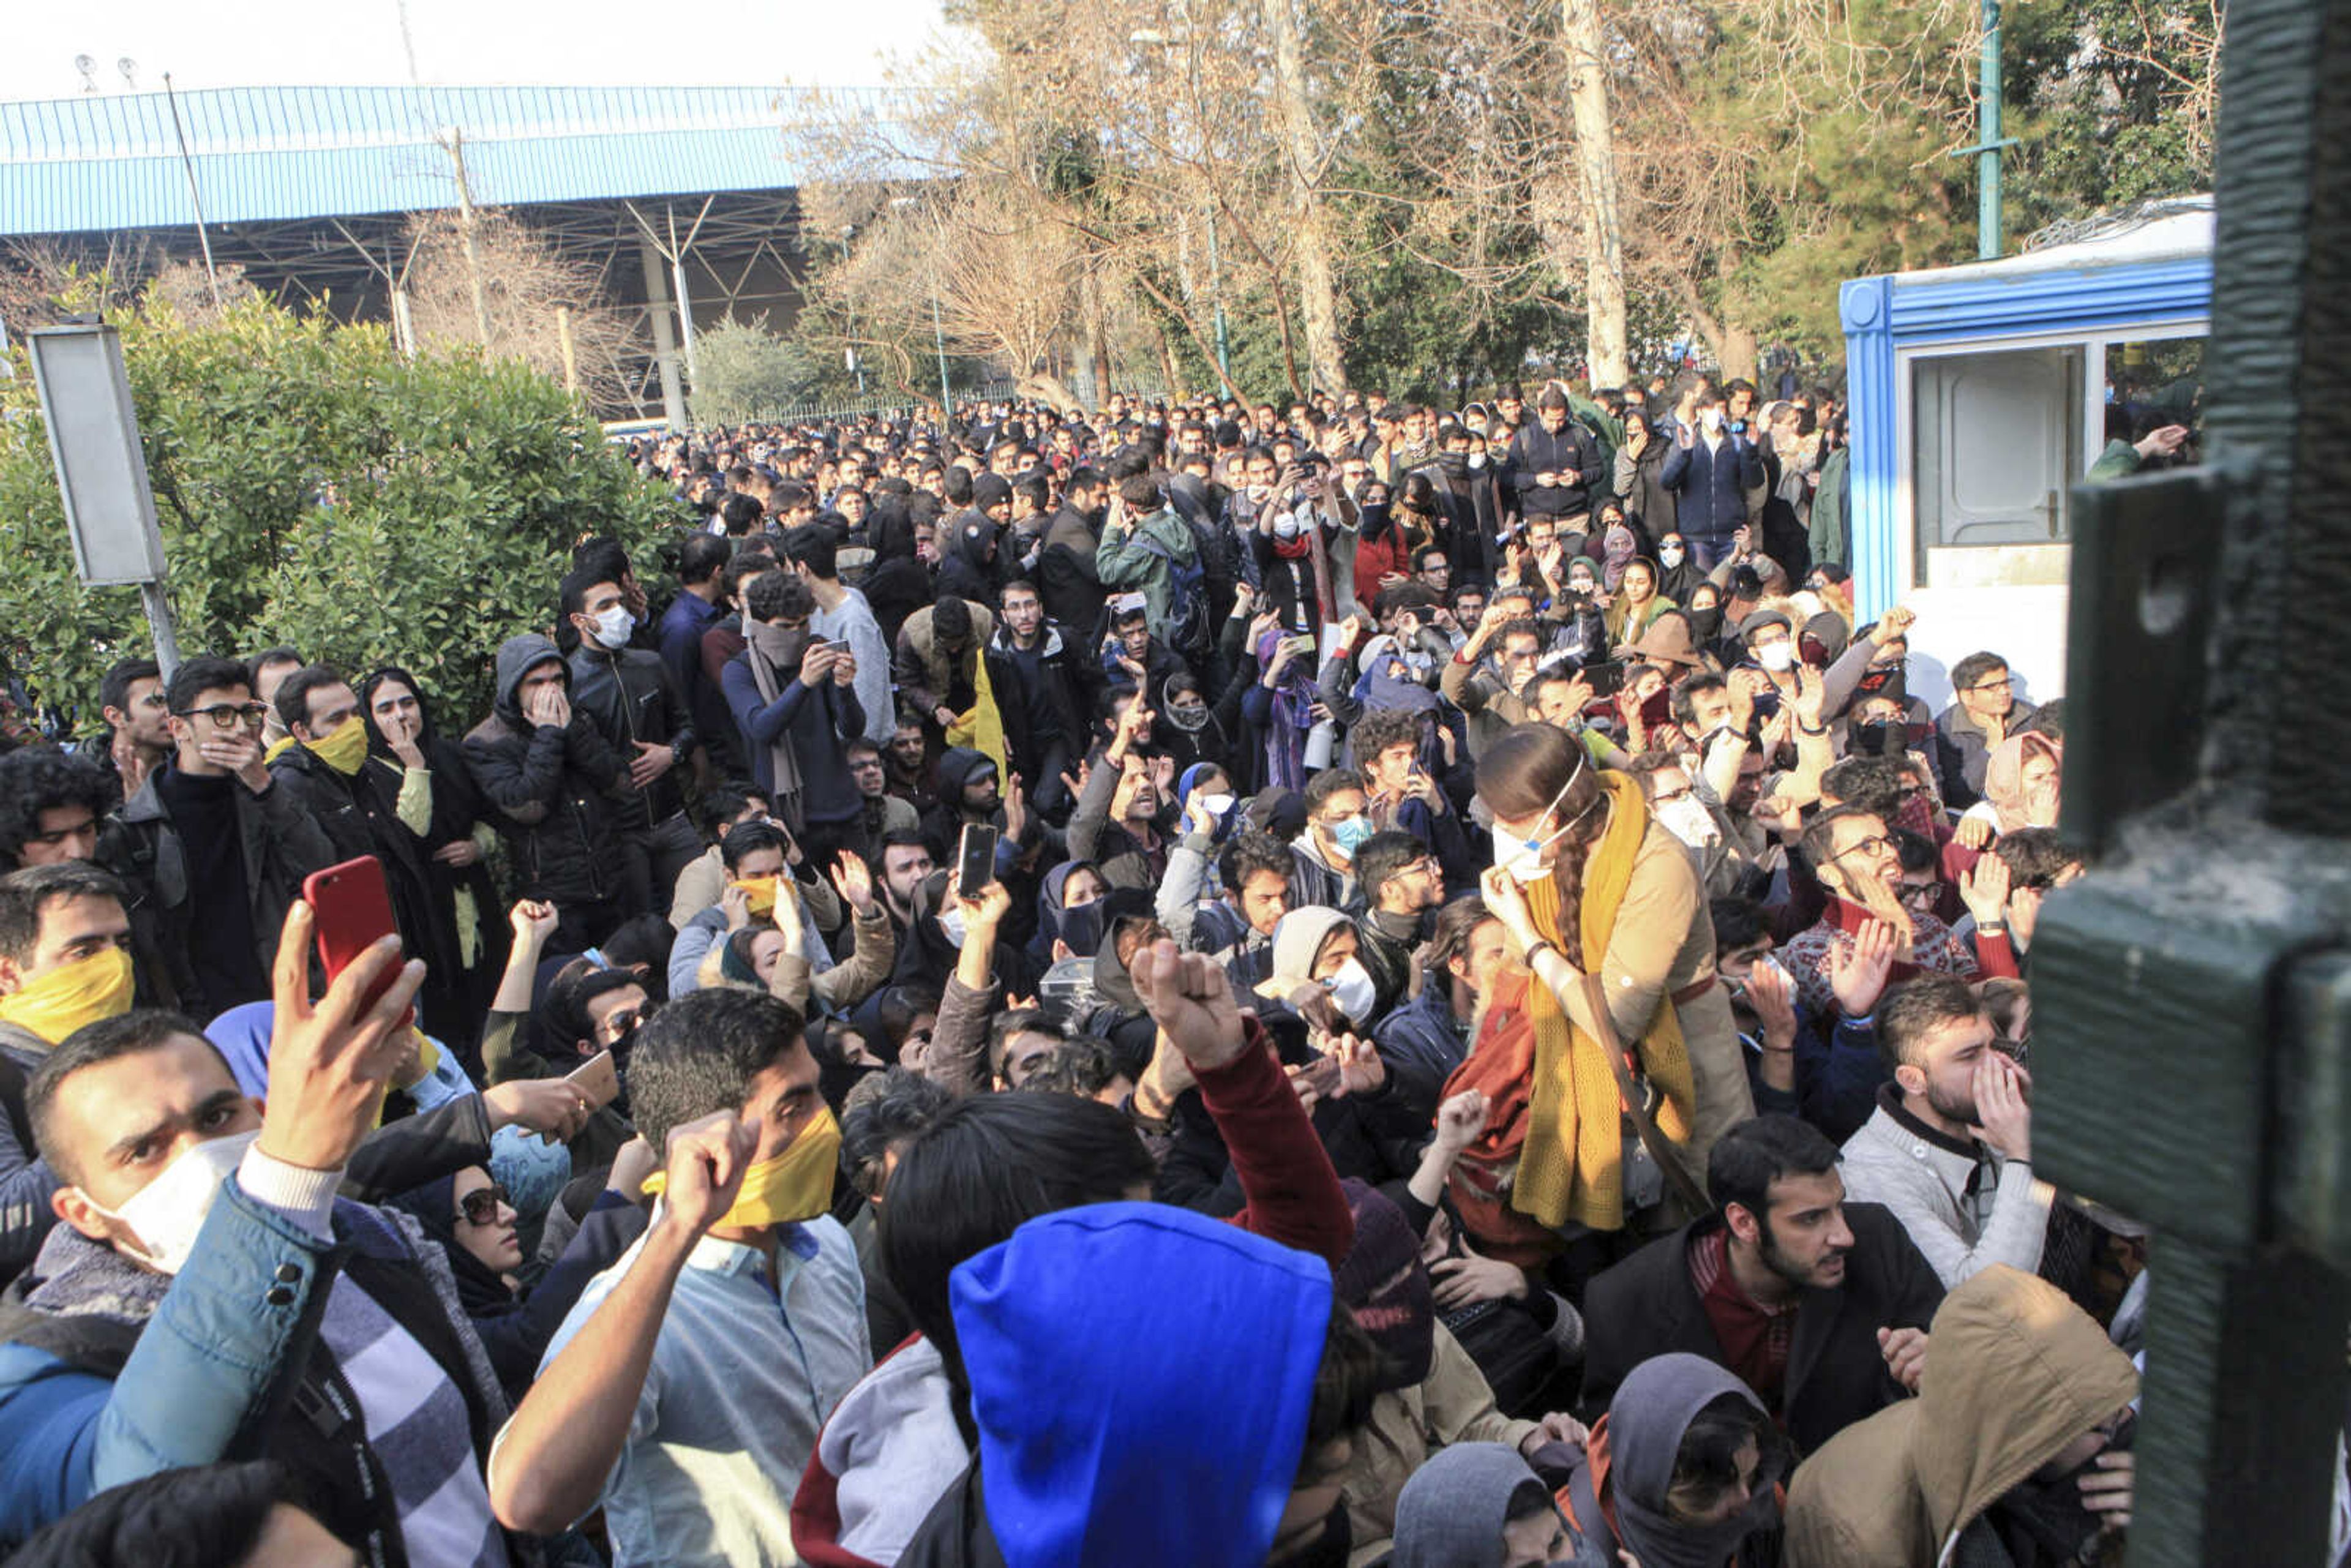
x: 1180, y: 984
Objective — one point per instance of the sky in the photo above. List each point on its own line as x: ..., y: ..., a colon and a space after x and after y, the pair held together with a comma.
x: 588, y: 43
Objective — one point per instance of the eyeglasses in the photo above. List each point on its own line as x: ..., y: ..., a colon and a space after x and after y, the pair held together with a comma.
x: 1875, y: 844
x: 228, y: 716
x: 480, y: 1206
x: 2001, y: 685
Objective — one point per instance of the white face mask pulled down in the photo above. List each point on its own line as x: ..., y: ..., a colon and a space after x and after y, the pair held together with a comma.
x: 167, y: 1213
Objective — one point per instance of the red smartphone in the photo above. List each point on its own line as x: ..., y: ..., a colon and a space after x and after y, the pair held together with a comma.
x: 350, y: 906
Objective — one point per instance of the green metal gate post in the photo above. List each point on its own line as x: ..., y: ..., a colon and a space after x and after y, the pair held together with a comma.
x: 2192, y: 996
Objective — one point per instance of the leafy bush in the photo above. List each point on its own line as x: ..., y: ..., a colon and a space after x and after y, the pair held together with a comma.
x: 316, y: 489
x: 743, y: 371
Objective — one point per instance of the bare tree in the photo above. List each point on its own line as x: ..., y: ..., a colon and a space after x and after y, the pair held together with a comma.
x: 515, y: 282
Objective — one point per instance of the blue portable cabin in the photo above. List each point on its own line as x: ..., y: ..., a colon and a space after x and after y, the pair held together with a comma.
x: 1978, y: 396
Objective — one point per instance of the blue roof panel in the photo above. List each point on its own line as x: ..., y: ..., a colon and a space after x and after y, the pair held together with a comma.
x: 103, y: 161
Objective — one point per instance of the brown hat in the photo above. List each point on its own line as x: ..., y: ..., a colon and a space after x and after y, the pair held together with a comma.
x: 1668, y: 639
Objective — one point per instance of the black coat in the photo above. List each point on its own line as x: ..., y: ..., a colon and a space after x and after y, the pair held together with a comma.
x: 630, y: 698
x: 1648, y: 1306
x: 547, y: 789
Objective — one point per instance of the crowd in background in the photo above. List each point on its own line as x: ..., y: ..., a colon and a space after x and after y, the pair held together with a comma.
x: 1188, y: 984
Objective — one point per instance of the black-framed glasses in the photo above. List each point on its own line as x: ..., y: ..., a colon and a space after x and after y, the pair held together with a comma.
x: 228, y: 716
x: 1876, y: 843
x: 2005, y: 682
x: 480, y: 1206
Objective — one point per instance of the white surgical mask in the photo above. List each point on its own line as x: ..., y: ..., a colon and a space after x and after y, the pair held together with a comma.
x: 1352, y: 991
x: 613, y: 626
x: 1476, y: 460
x: 951, y: 922
x: 1285, y: 527
x: 168, y: 1211
x: 1671, y: 555
x: 1777, y: 657
x: 1523, y: 858
x: 1215, y: 805
x: 1712, y: 420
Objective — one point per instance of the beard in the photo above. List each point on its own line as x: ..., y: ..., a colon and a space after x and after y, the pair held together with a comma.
x: 1882, y: 902
x: 1952, y: 1109
x: 1788, y: 1269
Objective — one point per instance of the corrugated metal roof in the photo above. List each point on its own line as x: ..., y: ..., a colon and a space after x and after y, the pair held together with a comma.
x: 103, y: 161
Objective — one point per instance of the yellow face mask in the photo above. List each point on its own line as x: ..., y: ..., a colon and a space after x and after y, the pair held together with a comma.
x: 75, y: 993
x: 760, y: 893
x: 796, y: 1185
x: 345, y: 751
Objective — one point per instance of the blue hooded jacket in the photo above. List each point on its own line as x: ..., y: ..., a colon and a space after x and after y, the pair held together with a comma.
x: 1141, y: 1377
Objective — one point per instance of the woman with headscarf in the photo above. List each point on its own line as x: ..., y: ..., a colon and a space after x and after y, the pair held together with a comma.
x: 2021, y: 778
x: 1477, y: 1505
x: 442, y: 893
x: 1678, y: 574
x: 1640, y: 475
x: 1278, y: 710
x: 473, y: 1218
x: 1188, y: 729
x: 935, y: 940
x: 1604, y: 907
x: 1069, y: 914
x: 1636, y: 604
x: 1684, y: 1472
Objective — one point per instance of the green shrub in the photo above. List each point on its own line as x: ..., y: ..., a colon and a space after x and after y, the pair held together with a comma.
x: 316, y: 489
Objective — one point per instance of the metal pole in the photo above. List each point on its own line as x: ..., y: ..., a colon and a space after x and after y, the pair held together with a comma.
x: 158, y: 605
x: 939, y: 340
x: 1987, y: 138
x: 1217, y: 293
x: 685, y: 301
x: 195, y: 197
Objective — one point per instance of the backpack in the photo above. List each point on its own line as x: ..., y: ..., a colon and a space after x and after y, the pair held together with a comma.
x: 1188, y: 596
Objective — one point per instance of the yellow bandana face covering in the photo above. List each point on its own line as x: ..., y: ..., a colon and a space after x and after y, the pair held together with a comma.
x: 345, y: 751
x: 79, y: 993
x: 759, y: 893
x: 796, y: 1185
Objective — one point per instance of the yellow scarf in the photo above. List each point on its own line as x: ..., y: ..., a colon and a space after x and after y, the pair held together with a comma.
x: 981, y: 727
x: 1573, y: 1166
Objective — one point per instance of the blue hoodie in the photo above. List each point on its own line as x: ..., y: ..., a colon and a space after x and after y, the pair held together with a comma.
x: 1141, y: 1377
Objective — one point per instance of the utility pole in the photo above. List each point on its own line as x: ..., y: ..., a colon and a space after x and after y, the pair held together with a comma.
x: 939, y: 341
x: 195, y: 197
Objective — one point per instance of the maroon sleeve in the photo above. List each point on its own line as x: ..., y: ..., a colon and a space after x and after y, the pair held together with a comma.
x: 1290, y: 1191
x: 1995, y: 958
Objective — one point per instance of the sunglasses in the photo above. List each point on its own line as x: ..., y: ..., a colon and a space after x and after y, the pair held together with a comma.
x: 480, y: 1206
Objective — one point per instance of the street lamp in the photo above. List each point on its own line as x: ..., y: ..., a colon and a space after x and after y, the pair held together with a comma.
x: 1153, y: 37
x: 938, y: 335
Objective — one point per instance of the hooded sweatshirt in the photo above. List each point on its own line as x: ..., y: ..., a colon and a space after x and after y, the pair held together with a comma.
x: 1099, y: 1443
x: 2017, y: 1372
x: 546, y: 787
